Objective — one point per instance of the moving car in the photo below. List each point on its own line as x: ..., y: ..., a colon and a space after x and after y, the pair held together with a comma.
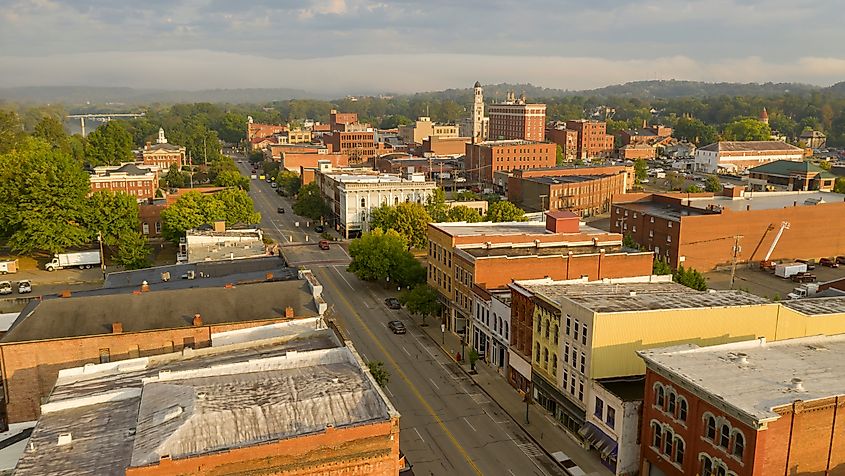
x: 397, y: 327
x: 273, y: 185
x: 323, y: 244
x: 393, y: 303
x: 828, y: 262
x: 840, y: 260
x: 319, y: 229
x: 5, y: 287
x: 569, y: 466
x: 280, y: 210
x: 24, y: 286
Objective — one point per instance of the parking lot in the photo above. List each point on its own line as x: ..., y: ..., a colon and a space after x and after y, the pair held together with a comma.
x: 764, y: 283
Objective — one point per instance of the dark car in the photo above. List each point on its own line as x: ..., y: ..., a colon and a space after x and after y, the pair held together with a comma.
x: 811, y: 264
x: 280, y: 210
x: 804, y: 277
x: 324, y: 244
x: 319, y: 228
x: 828, y: 262
x: 393, y: 303
x: 840, y: 260
x: 397, y: 327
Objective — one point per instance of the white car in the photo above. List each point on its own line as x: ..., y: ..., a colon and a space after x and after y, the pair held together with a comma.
x: 24, y: 286
x: 568, y: 465
x: 5, y: 287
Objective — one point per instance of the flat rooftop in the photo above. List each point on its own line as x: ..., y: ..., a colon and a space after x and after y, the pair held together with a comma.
x: 206, y: 273
x: 565, y: 178
x: 165, y: 309
x: 765, y: 380
x: 133, y: 412
x: 462, y: 228
x: 638, y: 297
x: 629, y: 389
x: 817, y: 306
x: 548, y: 249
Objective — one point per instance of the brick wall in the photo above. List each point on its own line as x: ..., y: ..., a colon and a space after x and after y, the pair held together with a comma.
x: 293, y: 160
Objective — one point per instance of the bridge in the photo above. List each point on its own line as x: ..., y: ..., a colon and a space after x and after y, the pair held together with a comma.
x: 101, y: 117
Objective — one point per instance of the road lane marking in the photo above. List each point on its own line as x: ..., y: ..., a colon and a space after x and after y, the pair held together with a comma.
x: 470, y: 424
x: 406, y: 351
x: 418, y: 434
x: 435, y: 385
x: 409, y: 384
x: 343, y: 278
x: 494, y: 420
x: 388, y: 391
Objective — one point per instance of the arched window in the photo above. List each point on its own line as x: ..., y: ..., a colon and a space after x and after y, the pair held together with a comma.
x: 667, y: 442
x: 547, y: 329
x: 679, y: 451
x: 739, y: 445
x: 671, y: 408
x: 506, y: 331
x: 545, y: 358
x: 720, y: 471
x: 660, y: 397
x: 657, y: 433
x: 554, y: 365
x: 363, y: 202
x: 682, y: 409
x: 706, y: 466
x: 711, y: 429
x: 395, y: 200
x: 725, y: 439
x: 537, y: 352
x: 557, y: 331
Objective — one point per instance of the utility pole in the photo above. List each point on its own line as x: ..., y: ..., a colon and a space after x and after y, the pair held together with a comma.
x: 736, y: 250
x: 102, y: 257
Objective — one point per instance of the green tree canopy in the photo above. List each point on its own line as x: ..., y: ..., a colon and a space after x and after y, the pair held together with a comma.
x: 309, y: 203
x: 463, y: 213
x: 289, y: 181
x: 839, y: 185
x: 436, y: 207
x: 175, y: 178
x: 505, y: 211
x: 712, y: 184
x: 560, y: 158
x: 421, y: 300
x: 640, y: 170
x: 379, y: 373
x: 109, y: 144
x: 194, y: 209
x: 42, y: 198
x: 693, y: 189
x: 747, y: 129
x: 231, y: 178
x: 695, y: 131
x: 11, y: 131
x: 377, y: 255
x: 409, y: 219
x: 53, y: 132
x: 661, y: 267
x: 132, y: 251
x: 112, y: 214
x: 690, y: 278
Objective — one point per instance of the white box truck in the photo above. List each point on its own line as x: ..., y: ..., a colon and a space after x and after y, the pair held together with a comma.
x: 10, y: 266
x: 787, y: 270
x: 78, y: 259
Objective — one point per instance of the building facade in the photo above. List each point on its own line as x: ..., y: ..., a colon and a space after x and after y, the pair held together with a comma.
x: 490, y: 325
x: 515, y: 119
x: 567, y: 139
x: 737, y: 156
x: 141, y: 183
x: 423, y: 128
x: 485, y: 158
x: 359, y: 145
x: 163, y: 155
x: 593, y: 139
x: 804, y: 176
x: 585, y: 195
x: 257, y: 130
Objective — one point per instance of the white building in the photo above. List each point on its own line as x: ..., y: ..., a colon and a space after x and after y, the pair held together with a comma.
x: 491, y: 325
x: 613, y: 422
x: 215, y: 243
x: 737, y: 156
x: 353, y: 193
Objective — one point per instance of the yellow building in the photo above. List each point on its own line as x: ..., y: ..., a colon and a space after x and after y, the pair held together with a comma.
x: 424, y: 128
x: 297, y: 136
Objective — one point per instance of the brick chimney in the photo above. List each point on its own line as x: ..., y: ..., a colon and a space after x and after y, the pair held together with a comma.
x: 289, y: 312
x: 65, y: 294
x: 562, y: 221
x: 197, y: 322
x: 117, y: 328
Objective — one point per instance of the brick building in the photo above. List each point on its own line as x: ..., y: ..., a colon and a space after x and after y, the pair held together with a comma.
x: 275, y: 152
x: 358, y: 145
x: 637, y: 151
x: 736, y: 156
x: 585, y: 194
x: 424, y: 128
x: 593, y: 139
x: 288, y: 399
x: 65, y: 332
x: 163, y: 155
x: 567, y: 139
x: 566, y: 170
x: 517, y: 119
x: 443, y: 146
x: 700, y: 230
x: 804, y: 176
x: 140, y: 183
x: 293, y: 161
x: 149, y: 216
x: 646, y: 135
x: 745, y: 409
x: 485, y: 158
x: 258, y: 130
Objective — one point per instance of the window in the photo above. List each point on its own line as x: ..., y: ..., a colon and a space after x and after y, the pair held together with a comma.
x: 671, y: 408
x: 572, y: 385
x: 145, y: 228
x: 584, y: 334
x: 706, y: 466
x: 158, y: 227
x: 537, y: 353
x: 720, y: 471
x: 600, y: 408
x: 679, y: 451
x: 547, y: 330
x: 545, y: 358
x: 726, y: 436
x: 105, y: 356
x: 682, y: 409
x: 739, y: 445
x: 557, y: 331
x: 660, y: 397
x: 566, y: 353
x: 711, y: 428
x: 539, y: 326
x: 363, y: 202
x: 575, y: 331
x: 611, y: 417
x: 554, y: 365
x: 568, y: 324
x: 657, y: 434
x: 583, y: 362
x: 581, y: 391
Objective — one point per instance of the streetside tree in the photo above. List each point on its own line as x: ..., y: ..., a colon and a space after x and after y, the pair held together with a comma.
x: 505, y: 211
x: 376, y: 254
x: 409, y: 219
x: 421, y: 300
x: 109, y: 144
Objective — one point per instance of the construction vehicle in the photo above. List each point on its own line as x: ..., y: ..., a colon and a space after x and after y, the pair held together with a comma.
x: 783, y: 226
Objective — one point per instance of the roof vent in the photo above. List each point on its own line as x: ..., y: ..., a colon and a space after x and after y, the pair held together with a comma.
x: 742, y: 358
x: 65, y: 439
x: 632, y: 293
x: 167, y: 414
x: 336, y: 380
x: 797, y: 385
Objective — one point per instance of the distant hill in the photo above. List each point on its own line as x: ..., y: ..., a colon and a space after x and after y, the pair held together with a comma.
x: 80, y: 95
x: 838, y: 88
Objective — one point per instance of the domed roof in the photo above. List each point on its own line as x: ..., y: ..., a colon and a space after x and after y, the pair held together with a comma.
x: 477, y: 84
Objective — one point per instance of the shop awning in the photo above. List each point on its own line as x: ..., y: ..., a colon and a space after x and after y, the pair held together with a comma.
x: 605, y: 444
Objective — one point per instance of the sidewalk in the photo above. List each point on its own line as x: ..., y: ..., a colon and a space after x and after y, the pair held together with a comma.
x: 542, y: 428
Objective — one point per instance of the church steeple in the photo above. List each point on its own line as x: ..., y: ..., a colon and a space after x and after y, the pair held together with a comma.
x: 764, y: 116
x: 161, y: 139
x: 478, y: 114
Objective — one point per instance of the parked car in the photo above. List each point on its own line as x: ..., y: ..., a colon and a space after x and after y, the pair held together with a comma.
x: 811, y: 263
x: 397, y: 327
x: 319, y: 229
x: 840, y: 260
x: 5, y: 287
x: 273, y: 185
x: 280, y: 210
x: 24, y: 286
x: 393, y: 303
x: 804, y: 277
x: 828, y: 262
x: 569, y: 466
x: 323, y: 244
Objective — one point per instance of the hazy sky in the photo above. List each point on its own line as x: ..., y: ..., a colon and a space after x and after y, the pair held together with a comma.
x: 348, y: 46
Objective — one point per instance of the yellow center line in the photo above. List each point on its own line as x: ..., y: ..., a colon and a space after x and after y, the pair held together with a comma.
x: 408, y: 382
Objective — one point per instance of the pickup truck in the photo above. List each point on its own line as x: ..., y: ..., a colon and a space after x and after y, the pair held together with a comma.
x: 804, y: 277
x: 323, y: 244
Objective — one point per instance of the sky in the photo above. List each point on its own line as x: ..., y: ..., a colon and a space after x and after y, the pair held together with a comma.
x: 403, y: 46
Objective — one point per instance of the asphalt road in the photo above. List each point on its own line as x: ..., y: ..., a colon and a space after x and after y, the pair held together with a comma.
x: 448, y: 425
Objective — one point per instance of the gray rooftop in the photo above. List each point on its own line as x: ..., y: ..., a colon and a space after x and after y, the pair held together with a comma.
x: 165, y: 309
x: 207, y: 273
x: 769, y: 200
x: 503, y: 228
x: 818, y: 305
x: 201, y: 401
x: 633, y: 297
x: 751, y: 146
x: 765, y: 382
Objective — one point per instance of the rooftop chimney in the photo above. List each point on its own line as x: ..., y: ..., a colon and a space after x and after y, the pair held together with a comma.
x: 289, y: 312
x: 65, y: 439
x: 742, y: 358
x: 145, y: 287
x: 562, y: 221
x: 65, y: 294
x: 797, y: 385
x: 116, y: 328
x: 197, y: 322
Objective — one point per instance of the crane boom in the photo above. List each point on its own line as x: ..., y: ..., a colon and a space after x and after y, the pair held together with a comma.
x: 783, y: 226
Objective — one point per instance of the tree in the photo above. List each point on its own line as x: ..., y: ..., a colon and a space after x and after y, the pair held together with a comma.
x: 467, y: 196
x: 747, y: 129
x: 376, y: 254
x: 640, y: 170
x: 695, y: 131
x: 712, y: 184
x: 310, y: 204
x: 436, y: 206
x: 661, y: 267
x: 629, y: 242
x: 42, y: 198
x: 463, y: 213
x: 560, y: 157
x: 132, y: 251
x: 421, y: 300
x: 690, y: 278
x: 379, y: 373
x: 175, y: 178
x: 194, y: 209
x: 289, y: 182
x: 505, y: 211
x: 839, y: 185
x: 409, y: 219
x: 473, y: 358
x: 112, y: 215
x: 11, y: 131
x: 53, y: 132
x: 693, y: 189
x: 230, y: 178
x: 109, y: 144
x: 408, y: 271
x: 236, y: 206
x: 674, y: 181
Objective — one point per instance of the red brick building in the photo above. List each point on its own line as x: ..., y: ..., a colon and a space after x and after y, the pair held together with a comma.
x: 139, y: 183
x: 585, y: 194
x: 359, y: 146
x: 293, y: 161
x: 444, y: 146
x: 567, y: 139
x: 648, y: 135
x: 637, y: 151
x: 256, y: 130
x: 516, y: 119
x: 593, y: 139
x: 746, y: 409
x: 163, y: 155
x: 340, y: 121
x: 485, y: 158
x: 700, y: 230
